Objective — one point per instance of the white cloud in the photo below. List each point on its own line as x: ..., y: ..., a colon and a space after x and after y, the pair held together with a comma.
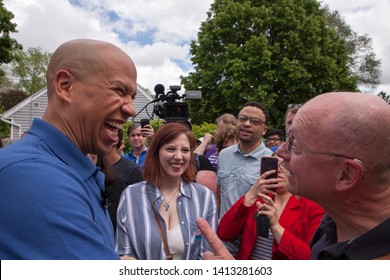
x: 47, y: 24
x: 165, y: 27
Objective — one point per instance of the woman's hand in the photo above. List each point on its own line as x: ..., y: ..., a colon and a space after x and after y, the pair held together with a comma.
x: 261, y: 186
x: 269, y: 209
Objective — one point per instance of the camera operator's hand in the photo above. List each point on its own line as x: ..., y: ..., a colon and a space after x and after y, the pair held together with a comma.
x: 147, y: 131
x: 261, y: 186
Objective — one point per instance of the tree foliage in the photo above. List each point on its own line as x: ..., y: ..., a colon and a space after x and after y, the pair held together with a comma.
x: 384, y: 96
x: 5, y: 81
x: 10, y: 98
x: 272, y: 51
x: 362, y: 60
x: 7, y: 44
x: 29, y: 69
x: 4, y: 127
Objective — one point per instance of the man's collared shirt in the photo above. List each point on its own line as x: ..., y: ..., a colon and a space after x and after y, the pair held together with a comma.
x: 140, y: 160
x: 237, y: 172
x: 370, y: 245
x: 50, y: 202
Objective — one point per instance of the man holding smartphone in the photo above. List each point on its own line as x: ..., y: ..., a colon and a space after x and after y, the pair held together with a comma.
x: 138, y: 136
x: 239, y: 164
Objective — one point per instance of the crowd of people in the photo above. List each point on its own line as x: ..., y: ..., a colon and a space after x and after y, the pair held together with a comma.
x: 69, y: 192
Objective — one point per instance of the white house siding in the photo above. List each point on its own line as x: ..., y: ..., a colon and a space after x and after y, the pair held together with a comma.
x: 27, y: 113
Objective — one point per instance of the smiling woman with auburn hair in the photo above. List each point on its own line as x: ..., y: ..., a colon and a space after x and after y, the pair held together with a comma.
x: 157, y: 217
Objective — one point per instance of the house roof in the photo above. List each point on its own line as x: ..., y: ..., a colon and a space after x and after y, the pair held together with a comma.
x: 23, y: 103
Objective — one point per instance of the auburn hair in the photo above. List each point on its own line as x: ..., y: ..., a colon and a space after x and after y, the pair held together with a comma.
x: 153, y: 171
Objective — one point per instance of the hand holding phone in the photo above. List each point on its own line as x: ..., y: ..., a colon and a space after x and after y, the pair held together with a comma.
x: 262, y: 221
x: 262, y: 225
x: 267, y: 164
x: 144, y: 122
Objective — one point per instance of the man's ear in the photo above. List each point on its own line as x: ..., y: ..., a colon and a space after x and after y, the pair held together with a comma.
x: 351, y: 175
x: 265, y: 130
x: 63, y: 85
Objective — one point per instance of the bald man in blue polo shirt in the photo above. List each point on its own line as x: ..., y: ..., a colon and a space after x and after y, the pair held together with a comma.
x: 50, y: 203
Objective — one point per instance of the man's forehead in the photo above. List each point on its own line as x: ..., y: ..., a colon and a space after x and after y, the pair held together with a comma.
x: 252, y: 109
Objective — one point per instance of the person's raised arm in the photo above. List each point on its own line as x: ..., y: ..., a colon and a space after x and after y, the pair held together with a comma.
x: 148, y: 132
x: 203, y: 146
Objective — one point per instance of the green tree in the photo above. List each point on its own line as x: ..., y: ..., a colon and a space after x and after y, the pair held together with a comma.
x: 29, y: 69
x: 272, y: 51
x: 10, y: 98
x: 384, y: 96
x: 362, y: 60
x: 5, y: 81
x: 7, y: 44
x: 4, y: 127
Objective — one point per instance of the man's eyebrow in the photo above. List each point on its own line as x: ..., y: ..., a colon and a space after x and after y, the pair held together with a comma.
x: 122, y: 84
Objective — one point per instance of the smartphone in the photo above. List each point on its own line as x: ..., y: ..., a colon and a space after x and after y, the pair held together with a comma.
x: 144, y: 122
x: 262, y: 225
x: 267, y: 164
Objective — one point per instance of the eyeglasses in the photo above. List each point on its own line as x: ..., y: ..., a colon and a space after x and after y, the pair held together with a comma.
x: 253, y: 120
x: 275, y: 139
x: 294, y: 105
x: 281, y: 164
x: 290, y: 140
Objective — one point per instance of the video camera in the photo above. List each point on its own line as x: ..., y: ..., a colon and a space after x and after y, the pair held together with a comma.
x: 168, y: 106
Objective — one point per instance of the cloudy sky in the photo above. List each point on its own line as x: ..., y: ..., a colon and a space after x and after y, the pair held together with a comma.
x: 156, y: 34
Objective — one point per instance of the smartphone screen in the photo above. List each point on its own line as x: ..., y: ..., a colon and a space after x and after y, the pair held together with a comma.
x: 269, y: 163
x: 144, y: 122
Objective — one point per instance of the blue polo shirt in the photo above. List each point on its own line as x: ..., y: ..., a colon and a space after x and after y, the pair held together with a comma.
x: 141, y: 158
x: 50, y: 202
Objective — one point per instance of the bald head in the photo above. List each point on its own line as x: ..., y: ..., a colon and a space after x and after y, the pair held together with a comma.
x: 83, y: 58
x: 91, y: 86
x: 352, y: 124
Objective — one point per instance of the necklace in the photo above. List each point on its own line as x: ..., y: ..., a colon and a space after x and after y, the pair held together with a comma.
x: 166, y: 204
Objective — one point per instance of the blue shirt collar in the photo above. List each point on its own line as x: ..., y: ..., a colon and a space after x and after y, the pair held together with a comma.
x: 256, y: 153
x: 63, y: 148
